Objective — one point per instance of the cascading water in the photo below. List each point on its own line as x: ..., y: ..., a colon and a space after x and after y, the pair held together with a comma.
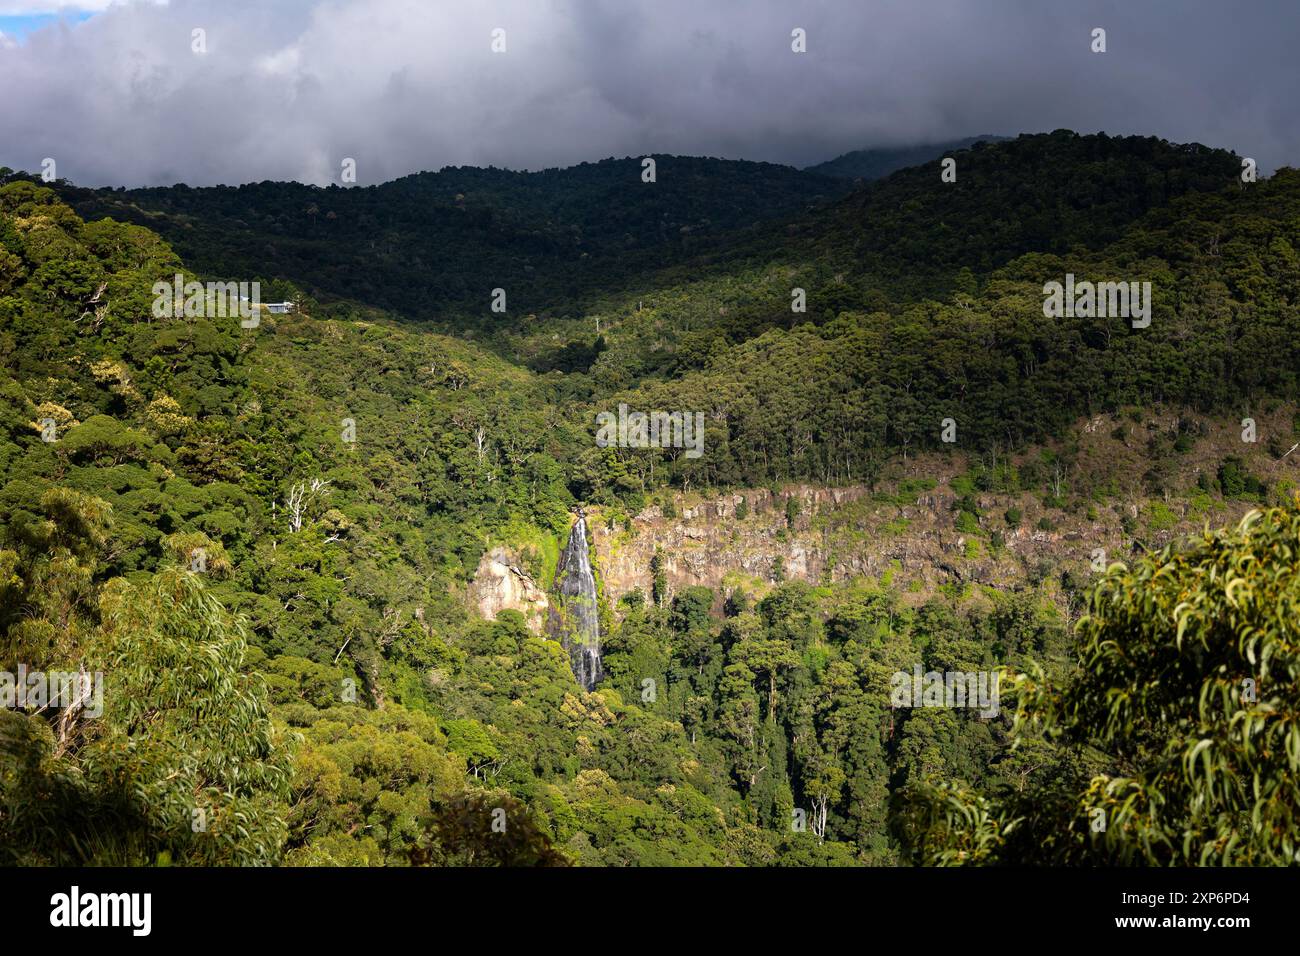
x: 577, y: 621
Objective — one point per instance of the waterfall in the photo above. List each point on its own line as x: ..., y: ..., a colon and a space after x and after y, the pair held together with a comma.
x: 577, y: 620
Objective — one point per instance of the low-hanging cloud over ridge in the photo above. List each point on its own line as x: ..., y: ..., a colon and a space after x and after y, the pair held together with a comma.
x: 287, y: 89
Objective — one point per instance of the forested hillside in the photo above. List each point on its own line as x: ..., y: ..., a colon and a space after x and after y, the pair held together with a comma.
x: 877, y: 163
x: 263, y: 537
x: 433, y: 246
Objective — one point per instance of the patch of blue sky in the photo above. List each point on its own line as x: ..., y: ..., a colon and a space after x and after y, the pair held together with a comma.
x: 18, y: 26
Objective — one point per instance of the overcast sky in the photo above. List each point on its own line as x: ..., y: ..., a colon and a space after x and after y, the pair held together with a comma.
x: 287, y: 89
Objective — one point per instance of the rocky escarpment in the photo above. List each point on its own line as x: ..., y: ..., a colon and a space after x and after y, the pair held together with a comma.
x: 919, y: 543
x: 704, y: 542
x: 501, y: 583
x: 927, y: 526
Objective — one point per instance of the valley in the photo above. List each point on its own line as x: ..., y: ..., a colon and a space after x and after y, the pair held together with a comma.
x: 426, y: 591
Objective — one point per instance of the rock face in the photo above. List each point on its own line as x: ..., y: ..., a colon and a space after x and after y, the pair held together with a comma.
x: 706, y: 542
x: 917, y: 540
x: 829, y: 535
x: 501, y: 584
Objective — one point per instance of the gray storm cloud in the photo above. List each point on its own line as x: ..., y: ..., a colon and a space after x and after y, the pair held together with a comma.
x: 287, y: 89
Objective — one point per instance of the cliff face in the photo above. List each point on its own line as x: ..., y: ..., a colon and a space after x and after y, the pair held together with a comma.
x: 500, y: 583
x: 918, y: 540
x: 839, y: 534
x: 925, y: 529
x: 707, y: 542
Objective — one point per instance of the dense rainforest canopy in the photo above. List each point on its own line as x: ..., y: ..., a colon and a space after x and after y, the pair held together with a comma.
x: 293, y: 674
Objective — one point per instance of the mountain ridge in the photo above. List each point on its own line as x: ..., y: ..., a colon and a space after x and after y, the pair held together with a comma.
x: 878, y: 162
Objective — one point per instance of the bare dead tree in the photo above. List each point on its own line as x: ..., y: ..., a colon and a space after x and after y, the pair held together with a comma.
x: 301, y: 496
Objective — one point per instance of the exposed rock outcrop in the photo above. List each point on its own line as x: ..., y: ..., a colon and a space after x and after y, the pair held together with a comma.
x: 704, y: 542
x: 838, y: 534
x: 502, y: 584
x: 924, y: 527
